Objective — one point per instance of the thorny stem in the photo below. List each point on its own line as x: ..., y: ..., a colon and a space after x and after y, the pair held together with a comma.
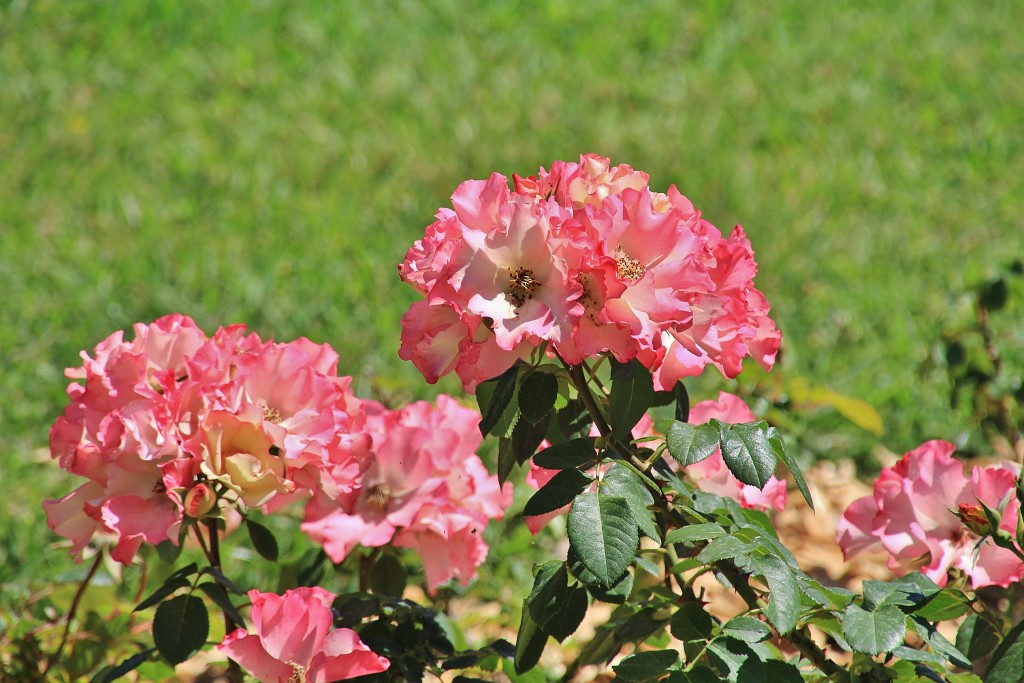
x: 629, y: 458
x: 71, y: 611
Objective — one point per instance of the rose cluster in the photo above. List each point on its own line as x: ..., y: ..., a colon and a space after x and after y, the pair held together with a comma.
x: 175, y: 425
x: 426, y: 488
x: 927, y: 515
x: 587, y: 259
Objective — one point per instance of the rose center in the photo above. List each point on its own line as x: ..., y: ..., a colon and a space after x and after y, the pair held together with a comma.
x: 272, y: 415
x: 629, y: 268
x: 298, y: 673
x: 521, y: 285
x: 379, y: 496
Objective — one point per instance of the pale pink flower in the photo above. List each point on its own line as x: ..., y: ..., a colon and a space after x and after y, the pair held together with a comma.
x: 713, y: 475
x: 294, y: 643
x: 425, y: 486
x: 915, y: 514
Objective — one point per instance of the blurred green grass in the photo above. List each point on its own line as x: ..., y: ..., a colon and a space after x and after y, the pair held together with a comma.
x: 270, y: 164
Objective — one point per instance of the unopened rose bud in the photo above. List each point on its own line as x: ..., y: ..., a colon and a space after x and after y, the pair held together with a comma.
x: 199, y: 500
x: 974, y: 518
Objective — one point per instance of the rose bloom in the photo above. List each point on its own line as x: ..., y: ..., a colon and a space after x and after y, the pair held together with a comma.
x: 425, y: 488
x: 293, y: 641
x: 917, y: 514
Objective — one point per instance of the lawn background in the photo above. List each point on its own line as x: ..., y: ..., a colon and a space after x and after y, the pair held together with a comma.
x: 270, y: 164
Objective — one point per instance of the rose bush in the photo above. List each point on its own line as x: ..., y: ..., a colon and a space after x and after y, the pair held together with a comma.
x: 573, y: 304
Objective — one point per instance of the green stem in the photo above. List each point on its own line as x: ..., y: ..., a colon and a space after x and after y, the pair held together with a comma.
x: 58, y: 653
x: 234, y: 672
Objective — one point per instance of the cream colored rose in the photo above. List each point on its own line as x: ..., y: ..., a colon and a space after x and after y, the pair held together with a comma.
x: 242, y: 455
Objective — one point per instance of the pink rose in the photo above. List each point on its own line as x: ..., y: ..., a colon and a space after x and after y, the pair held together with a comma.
x: 293, y: 641
x: 917, y: 514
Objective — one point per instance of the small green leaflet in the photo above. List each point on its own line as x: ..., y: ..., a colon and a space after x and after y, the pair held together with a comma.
x: 603, y: 532
x: 874, y: 632
x: 180, y: 627
x: 747, y: 451
x: 689, y: 443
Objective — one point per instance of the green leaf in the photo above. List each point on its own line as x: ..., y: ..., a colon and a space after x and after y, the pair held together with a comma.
x: 1007, y: 661
x: 603, y: 532
x: 180, y: 628
x: 911, y: 655
x: 619, y: 480
x: 177, y: 580
x: 725, y: 548
x: 311, y: 567
x: 784, y: 599
x: 219, y: 596
x: 698, y: 674
x: 571, y: 454
x: 577, y: 569
x: 219, y: 577
x: 695, y: 532
x: 963, y: 677
x: 736, y: 660
x: 556, y: 608
x: 494, y: 402
x: 530, y: 642
x: 631, y: 395
x: 506, y: 459
x: 127, y: 666
x: 689, y: 443
x: 574, y: 420
x: 747, y: 452
x: 747, y: 629
x: 912, y: 590
x: 168, y: 552
x: 944, y: 606
x: 691, y: 623
x: 646, y: 666
x: 537, y: 395
x: 617, y: 593
x: 262, y: 540
x: 557, y: 493
x: 976, y: 637
x: 936, y: 641
x: 527, y: 437
x: 682, y: 402
x: 775, y: 440
x: 874, y: 632
x: 781, y: 672
x: 388, y: 576
x: 567, y: 613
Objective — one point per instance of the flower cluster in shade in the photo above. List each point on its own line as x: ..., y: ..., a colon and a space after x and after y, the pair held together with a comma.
x: 711, y: 474
x: 586, y: 258
x: 175, y: 425
x: 927, y: 514
x: 293, y: 641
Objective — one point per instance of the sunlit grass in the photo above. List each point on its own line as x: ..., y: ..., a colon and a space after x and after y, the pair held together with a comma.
x: 258, y: 163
